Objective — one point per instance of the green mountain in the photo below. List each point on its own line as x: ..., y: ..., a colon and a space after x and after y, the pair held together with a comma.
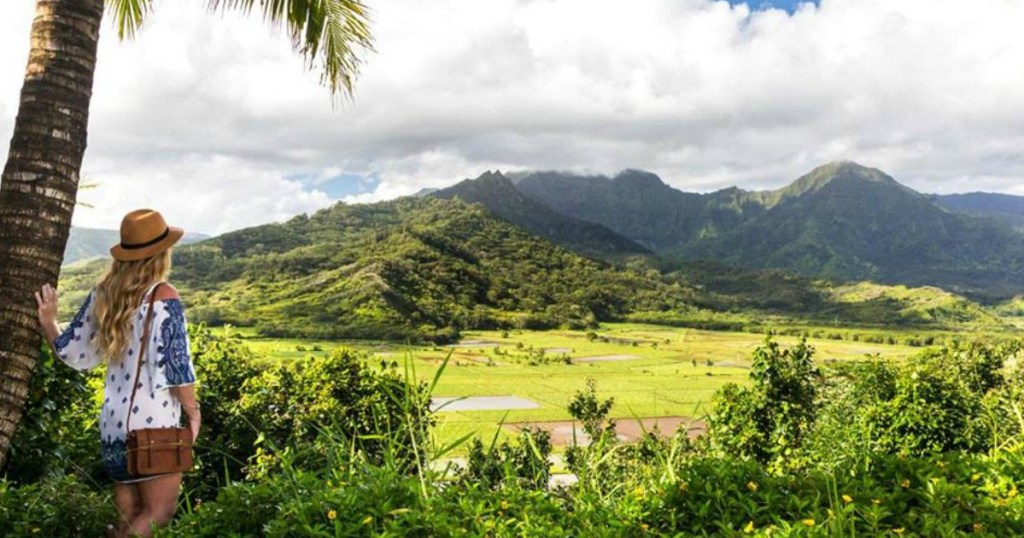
x: 86, y: 243
x: 633, y: 204
x: 847, y: 222
x: 425, y: 267
x: 841, y: 221
x: 409, y: 268
x: 501, y: 197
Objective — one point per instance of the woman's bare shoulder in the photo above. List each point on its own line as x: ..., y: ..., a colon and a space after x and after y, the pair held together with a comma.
x: 166, y: 293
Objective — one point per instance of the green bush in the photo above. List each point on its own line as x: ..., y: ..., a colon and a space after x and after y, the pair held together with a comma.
x: 524, y: 463
x: 290, y: 402
x: 934, y: 496
x: 769, y: 420
x: 57, y: 433
x: 223, y: 365
x: 54, y: 507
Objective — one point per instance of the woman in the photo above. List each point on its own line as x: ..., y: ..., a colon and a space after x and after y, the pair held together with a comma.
x: 108, y: 330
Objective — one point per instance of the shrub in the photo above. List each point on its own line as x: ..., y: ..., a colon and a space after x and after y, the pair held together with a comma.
x: 524, y: 464
x: 57, y: 433
x: 223, y: 364
x: 928, y: 413
x: 53, y: 507
x: 769, y: 420
x: 290, y: 402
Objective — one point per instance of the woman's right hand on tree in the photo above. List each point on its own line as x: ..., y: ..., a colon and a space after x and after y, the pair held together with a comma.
x: 46, y: 301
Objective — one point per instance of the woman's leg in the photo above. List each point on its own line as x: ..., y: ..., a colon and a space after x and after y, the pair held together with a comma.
x: 126, y: 498
x: 159, y: 497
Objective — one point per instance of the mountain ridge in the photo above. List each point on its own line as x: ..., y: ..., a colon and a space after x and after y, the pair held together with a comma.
x: 841, y: 221
x: 499, y: 195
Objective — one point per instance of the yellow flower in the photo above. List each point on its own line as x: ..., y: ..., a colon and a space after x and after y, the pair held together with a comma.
x: 809, y: 522
x: 504, y: 505
x: 749, y: 528
x: 332, y: 515
x: 368, y: 520
x: 847, y: 499
x: 905, y: 483
x: 644, y: 526
x: 876, y: 502
x: 639, y: 492
x: 899, y: 531
x: 752, y: 486
x: 978, y: 527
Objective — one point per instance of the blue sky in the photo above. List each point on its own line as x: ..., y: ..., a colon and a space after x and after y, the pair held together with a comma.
x: 338, y: 185
x: 788, y: 5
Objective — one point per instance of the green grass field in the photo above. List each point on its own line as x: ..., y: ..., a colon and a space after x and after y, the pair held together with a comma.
x: 675, y: 371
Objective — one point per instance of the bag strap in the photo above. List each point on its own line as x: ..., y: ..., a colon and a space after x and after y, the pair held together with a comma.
x: 142, y: 354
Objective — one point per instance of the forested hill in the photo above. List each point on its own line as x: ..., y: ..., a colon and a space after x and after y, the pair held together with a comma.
x: 840, y: 221
x: 408, y: 268
x: 1002, y: 207
x: 426, y: 267
x: 497, y: 193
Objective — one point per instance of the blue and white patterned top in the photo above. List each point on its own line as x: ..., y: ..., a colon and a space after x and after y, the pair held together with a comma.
x: 167, y: 364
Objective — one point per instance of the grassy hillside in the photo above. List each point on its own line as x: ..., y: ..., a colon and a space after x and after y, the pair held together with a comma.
x: 424, y: 268
x: 410, y: 268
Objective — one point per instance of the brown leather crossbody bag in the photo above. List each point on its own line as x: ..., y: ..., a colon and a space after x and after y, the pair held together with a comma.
x: 153, y: 451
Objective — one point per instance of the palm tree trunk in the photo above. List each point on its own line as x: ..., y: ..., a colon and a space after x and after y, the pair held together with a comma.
x: 40, y: 183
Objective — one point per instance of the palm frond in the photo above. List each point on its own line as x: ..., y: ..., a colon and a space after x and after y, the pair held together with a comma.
x: 128, y: 15
x: 331, y: 33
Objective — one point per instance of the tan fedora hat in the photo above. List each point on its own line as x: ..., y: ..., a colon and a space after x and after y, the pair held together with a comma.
x: 144, y: 233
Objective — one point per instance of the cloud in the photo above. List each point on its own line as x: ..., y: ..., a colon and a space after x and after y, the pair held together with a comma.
x: 706, y: 94
x: 208, y: 194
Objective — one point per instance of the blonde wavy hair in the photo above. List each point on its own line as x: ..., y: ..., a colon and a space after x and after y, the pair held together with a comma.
x: 118, y: 294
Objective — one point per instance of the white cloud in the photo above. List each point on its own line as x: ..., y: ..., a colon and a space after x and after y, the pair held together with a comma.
x: 209, y: 194
x: 703, y: 93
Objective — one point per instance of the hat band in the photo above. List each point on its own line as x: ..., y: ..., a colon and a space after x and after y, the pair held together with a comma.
x: 136, y: 246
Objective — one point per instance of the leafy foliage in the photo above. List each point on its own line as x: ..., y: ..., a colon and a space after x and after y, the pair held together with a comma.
x: 329, y: 481
x: 56, y: 433
x: 769, y: 420
x: 524, y: 464
x: 332, y: 33
x: 54, y: 506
